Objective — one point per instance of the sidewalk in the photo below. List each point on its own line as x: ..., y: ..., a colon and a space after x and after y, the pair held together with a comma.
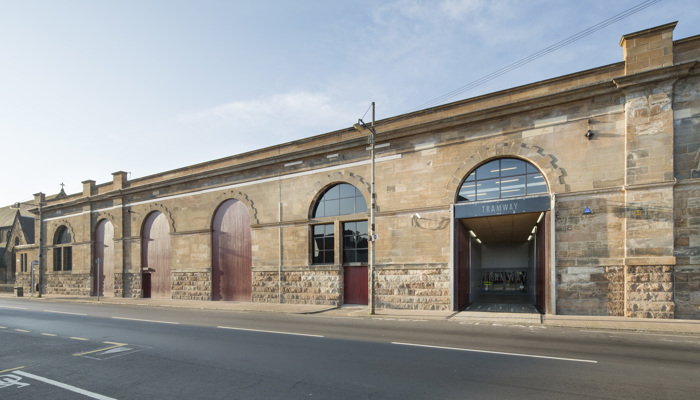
x: 464, y: 317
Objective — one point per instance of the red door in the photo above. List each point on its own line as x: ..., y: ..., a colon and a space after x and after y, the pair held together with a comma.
x: 104, y: 252
x: 232, y: 260
x: 356, y: 285
x: 155, y: 254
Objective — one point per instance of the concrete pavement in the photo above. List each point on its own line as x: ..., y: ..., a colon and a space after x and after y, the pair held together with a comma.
x: 465, y: 317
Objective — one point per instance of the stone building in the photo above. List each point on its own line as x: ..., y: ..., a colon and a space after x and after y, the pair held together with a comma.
x: 578, y: 195
x: 16, y: 232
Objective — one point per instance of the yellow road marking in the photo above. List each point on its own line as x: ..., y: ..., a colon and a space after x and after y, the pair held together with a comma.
x: 106, y: 348
x: 78, y: 338
x: 22, y: 330
x: 11, y: 369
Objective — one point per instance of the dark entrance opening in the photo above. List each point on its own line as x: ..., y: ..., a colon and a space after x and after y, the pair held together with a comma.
x: 146, y: 283
x: 502, y: 256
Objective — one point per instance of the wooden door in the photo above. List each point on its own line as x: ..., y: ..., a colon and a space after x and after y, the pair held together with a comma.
x: 462, y: 265
x: 232, y: 254
x: 356, y: 285
x: 155, y: 254
x: 104, y: 251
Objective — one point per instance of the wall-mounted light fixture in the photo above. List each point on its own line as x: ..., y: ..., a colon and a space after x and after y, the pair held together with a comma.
x: 589, y: 134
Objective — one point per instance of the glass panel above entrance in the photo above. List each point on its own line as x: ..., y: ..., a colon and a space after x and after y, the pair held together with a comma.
x: 502, y: 178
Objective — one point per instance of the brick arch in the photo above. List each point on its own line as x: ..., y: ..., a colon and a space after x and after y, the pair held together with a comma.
x: 164, y: 210
x: 99, y: 217
x: 546, y: 163
x: 332, y: 179
x: 237, y: 195
x: 68, y: 226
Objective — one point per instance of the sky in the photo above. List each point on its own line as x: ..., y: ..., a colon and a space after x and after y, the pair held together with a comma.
x: 88, y: 88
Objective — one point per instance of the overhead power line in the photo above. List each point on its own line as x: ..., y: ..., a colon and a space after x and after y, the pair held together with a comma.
x: 556, y: 46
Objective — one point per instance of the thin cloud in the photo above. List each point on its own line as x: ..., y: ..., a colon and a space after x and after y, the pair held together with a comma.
x: 282, y: 117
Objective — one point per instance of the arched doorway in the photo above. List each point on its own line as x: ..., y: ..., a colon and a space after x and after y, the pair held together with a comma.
x: 103, y: 262
x: 155, y: 256
x: 502, y: 238
x: 232, y: 261
x: 340, y: 221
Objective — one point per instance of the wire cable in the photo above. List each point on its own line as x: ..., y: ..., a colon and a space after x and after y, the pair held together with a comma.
x: 556, y: 46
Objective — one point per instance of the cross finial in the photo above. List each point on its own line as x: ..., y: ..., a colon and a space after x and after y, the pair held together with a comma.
x: 62, y: 185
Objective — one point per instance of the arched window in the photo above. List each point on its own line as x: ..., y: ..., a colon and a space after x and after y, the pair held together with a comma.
x: 342, y: 199
x: 500, y: 179
x: 62, y: 252
x: 339, y: 201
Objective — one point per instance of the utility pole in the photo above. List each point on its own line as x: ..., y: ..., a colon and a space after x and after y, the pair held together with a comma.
x: 360, y: 126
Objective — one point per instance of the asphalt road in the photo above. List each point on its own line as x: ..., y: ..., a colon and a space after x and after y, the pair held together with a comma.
x: 63, y: 350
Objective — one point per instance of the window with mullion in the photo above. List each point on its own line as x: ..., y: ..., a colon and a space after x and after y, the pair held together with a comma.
x: 67, y: 258
x: 323, y: 251
x: 57, y: 258
x: 502, y: 178
x: 62, y: 253
x: 355, y: 242
x: 341, y: 199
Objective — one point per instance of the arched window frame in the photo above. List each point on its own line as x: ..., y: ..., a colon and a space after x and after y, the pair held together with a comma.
x: 62, y: 251
x: 502, y: 178
x: 339, y: 227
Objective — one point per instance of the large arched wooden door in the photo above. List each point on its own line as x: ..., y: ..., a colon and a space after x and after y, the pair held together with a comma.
x: 104, y: 252
x: 155, y: 256
x: 232, y: 275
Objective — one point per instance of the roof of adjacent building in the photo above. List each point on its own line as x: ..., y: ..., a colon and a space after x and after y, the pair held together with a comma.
x: 21, y: 212
x: 7, y: 214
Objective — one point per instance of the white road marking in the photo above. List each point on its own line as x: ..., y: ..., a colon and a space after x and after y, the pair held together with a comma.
x: 263, y: 331
x: 103, y: 349
x: 64, y: 386
x: 117, y: 350
x: 16, y: 308
x: 147, y: 320
x: 11, y: 379
x: 64, y: 312
x: 495, y: 352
